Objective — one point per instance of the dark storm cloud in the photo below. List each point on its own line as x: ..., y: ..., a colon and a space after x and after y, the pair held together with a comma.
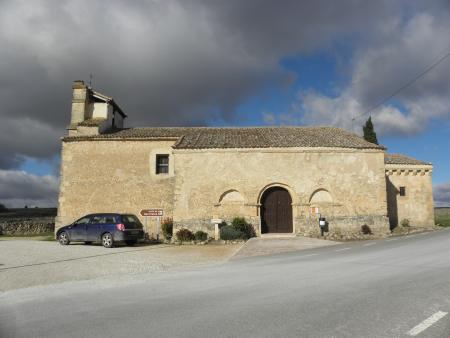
x: 18, y: 188
x: 166, y: 62
x: 174, y: 62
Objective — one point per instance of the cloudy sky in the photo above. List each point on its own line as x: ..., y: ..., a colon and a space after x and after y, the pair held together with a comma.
x: 222, y: 63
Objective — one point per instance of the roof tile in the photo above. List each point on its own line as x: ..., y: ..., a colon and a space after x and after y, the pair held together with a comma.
x: 249, y: 137
x: 402, y: 159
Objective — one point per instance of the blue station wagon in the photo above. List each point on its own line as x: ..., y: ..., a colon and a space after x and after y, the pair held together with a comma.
x: 105, y: 228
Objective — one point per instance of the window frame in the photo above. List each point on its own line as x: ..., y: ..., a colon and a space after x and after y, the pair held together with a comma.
x: 402, y: 191
x: 159, y: 166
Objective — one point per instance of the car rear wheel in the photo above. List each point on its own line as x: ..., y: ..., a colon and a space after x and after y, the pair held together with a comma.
x: 63, y: 238
x: 131, y: 242
x: 107, y: 240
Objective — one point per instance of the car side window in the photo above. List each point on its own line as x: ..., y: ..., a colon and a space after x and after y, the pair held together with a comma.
x: 97, y: 220
x: 84, y: 220
x: 110, y: 219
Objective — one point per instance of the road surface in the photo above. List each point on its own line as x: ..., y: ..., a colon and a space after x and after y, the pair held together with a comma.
x: 396, y: 287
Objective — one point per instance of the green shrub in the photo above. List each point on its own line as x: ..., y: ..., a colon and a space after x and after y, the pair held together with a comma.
x: 201, y: 236
x: 229, y: 233
x: 185, y: 235
x: 241, y: 225
x: 405, y: 222
x: 167, y: 228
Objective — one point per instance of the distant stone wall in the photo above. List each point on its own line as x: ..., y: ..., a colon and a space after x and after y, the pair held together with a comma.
x: 27, y: 222
x: 442, y: 211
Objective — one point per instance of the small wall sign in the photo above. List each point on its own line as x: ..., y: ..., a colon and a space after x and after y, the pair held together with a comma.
x: 314, y: 210
x: 152, y: 212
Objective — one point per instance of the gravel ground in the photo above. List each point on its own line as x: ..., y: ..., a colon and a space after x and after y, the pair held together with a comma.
x: 26, y: 263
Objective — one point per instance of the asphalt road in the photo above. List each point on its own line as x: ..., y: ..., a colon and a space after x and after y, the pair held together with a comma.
x: 383, y: 288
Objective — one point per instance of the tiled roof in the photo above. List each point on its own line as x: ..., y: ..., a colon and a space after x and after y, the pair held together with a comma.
x: 253, y: 137
x: 94, y: 122
x: 402, y: 159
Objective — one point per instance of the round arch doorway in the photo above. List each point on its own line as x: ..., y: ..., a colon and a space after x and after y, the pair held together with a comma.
x: 276, y: 211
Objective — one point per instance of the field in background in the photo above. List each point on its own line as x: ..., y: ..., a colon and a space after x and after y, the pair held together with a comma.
x: 28, y: 212
x: 442, y: 216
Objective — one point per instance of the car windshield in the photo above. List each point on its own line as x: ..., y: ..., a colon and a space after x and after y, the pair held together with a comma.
x: 131, y: 222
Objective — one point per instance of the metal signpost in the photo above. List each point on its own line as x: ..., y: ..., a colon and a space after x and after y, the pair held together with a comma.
x: 157, y: 213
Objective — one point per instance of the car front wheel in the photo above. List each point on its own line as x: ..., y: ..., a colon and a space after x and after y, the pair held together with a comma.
x: 107, y: 240
x: 63, y: 238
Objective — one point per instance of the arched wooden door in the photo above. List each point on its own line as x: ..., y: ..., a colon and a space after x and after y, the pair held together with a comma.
x: 276, y: 211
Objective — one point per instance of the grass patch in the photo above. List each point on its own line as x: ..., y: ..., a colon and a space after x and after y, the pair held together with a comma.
x: 443, y: 220
x: 38, y: 237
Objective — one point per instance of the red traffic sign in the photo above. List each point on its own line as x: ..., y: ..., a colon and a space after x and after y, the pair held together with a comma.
x: 152, y: 212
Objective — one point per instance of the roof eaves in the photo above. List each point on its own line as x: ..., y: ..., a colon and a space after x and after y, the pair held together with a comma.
x: 100, y: 138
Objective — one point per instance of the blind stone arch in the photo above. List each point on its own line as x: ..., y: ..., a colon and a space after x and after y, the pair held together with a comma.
x: 231, y: 196
x: 320, y: 196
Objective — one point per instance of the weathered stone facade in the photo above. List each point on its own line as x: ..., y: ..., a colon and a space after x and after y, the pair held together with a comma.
x: 204, y: 179
x: 113, y: 176
x: 416, y: 206
x: 222, y: 173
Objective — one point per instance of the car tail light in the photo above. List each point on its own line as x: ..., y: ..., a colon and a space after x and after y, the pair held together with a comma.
x: 120, y: 227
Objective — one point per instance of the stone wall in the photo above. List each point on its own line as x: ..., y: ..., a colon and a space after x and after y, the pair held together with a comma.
x: 27, y: 221
x: 417, y: 205
x: 114, y: 176
x: 349, y: 187
x: 27, y: 226
x: 225, y: 183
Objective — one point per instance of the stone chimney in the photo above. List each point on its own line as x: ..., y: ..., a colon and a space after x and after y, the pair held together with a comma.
x: 93, y: 113
x: 80, y: 101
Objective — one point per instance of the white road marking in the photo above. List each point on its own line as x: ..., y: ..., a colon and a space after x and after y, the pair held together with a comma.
x: 392, y: 239
x: 309, y: 255
x: 369, y: 244
x: 342, y: 249
x: 427, y: 323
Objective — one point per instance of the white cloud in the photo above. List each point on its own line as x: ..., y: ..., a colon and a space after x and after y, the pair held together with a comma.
x: 269, y: 118
x: 390, y: 59
x: 18, y: 188
x: 441, y: 194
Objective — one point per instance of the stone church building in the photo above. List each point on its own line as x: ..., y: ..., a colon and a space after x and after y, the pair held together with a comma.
x: 281, y: 179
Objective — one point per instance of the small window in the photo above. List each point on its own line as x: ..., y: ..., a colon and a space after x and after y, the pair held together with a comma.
x: 162, y: 164
x: 402, y: 191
